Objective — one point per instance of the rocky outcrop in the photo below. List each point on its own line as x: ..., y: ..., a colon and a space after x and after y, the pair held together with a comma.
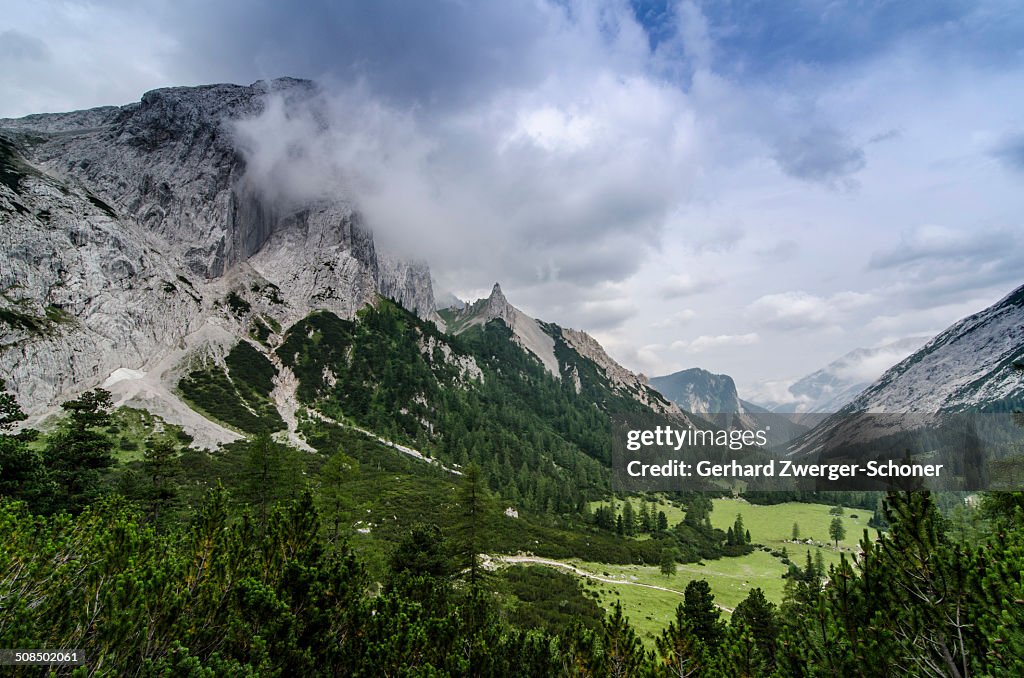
x: 125, y: 229
x: 634, y: 385
x: 408, y: 283
x: 975, y: 364
x: 80, y: 294
x: 539, y: 339
x: 526, y: 331
x: 700, y: 391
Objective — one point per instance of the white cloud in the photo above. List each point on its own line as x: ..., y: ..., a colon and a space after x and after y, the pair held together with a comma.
x: 685, y: 285
x: 675, y: 319
x: 554, y: 130
x: 706, y: 342
x: 801, y: 310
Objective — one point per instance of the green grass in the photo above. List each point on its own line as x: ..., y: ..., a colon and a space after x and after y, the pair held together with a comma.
x: 128, y: 431
x: 130, y: 427
x: 773, y: 526
x: 648, y: 611
x: 651, y: 610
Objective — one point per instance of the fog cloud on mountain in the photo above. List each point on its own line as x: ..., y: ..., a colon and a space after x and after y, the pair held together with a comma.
x: 818, y: 175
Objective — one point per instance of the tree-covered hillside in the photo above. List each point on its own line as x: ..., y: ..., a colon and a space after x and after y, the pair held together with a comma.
x: 358, y: 558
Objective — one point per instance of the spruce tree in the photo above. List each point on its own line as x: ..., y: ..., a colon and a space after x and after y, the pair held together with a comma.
x: 23, y: 475
x: 679, y: 651
x: 160, y: 463
x: 702, y: 613
x: 836, y: 530
x: 668, y: 562
x: 644, y: 517
x: 759, y: 616
x: 473, y: 503
x: 628, y: 519
x: 624, y: 654
x: 80, y: 452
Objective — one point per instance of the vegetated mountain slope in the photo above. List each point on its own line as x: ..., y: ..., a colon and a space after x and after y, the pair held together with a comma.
x: 134, y: 232
x: 968, y: 367
x: 831, y: 388
x: 559, y: 350
x: 476, y: 397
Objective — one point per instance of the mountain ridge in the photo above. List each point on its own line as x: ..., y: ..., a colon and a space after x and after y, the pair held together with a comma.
x: 151, y: 229
x: 541, y: 340
x: 830, y: 388
x: 966, y: 366
x: 165, y: 257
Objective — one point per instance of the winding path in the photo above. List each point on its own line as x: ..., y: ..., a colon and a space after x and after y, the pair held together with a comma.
x: 589, y: 575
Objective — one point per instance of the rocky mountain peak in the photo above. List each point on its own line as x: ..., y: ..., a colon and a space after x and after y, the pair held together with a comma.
x: 498, y: 306
x: 697, y: 390
x: 128, y: 229
x: 968, y: 367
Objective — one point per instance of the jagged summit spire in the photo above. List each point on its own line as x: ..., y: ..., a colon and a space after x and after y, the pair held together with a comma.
x: 498, y: 306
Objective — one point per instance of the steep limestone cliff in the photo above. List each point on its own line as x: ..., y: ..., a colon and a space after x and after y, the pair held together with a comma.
x: 126, y: 229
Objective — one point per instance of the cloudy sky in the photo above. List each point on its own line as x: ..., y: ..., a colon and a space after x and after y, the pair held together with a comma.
x: 750, y: 187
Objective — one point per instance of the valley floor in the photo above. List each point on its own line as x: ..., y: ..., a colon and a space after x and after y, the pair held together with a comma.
x: 649, y: 598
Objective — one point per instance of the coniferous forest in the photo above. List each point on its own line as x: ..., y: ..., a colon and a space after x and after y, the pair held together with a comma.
x: 157, y: 558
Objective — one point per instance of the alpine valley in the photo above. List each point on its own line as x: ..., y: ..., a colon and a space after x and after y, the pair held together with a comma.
x: 239, y: 438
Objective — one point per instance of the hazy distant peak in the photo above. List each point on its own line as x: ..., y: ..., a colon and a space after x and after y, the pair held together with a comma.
x: 830, y: 388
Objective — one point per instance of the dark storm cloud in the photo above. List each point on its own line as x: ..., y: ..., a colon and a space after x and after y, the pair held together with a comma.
x: 1011, y: 152
x: 440, y: 54
x: 820, y: 154
x: 16, y: 46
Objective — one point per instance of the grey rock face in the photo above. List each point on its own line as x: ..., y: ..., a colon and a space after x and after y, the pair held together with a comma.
x: 125, y: 229
x: 526, y: 331
x: 408, y: 284
x: 539, y: 339
x: 82, y: 295
x: 169, y: 164
x: 971, y: 365
x: 697, y: 390
x: 635, y: 386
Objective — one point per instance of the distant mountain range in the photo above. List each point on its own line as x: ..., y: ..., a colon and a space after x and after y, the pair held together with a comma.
x: 974, y: 365
x: 714, y: 395
x: 977, y: 365
x: 832, y: 387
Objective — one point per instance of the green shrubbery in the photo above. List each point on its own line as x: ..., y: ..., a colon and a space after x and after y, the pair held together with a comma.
x: 239, y: 395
